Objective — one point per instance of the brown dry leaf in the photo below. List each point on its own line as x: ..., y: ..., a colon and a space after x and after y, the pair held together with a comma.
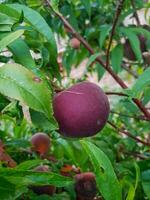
x: 4, y: 157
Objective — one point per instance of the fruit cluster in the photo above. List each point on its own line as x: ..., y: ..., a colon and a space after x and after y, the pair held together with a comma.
x: 85, y: 183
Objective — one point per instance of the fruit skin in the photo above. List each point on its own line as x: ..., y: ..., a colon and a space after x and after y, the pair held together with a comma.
x: 82, y: 110
x: 85, y: 186
x: 44, y: 189
x: 128, y: 52
x: 40, y: 142
x: 75, y: 43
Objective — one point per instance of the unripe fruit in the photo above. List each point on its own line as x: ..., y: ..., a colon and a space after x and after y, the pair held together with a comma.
x: 75, y: 43
x: 85, y: 186
x: 44, y: 189
x: 82, y: 110
x: 40, y: 143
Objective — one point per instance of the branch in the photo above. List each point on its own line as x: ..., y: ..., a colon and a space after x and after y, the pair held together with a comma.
x: 134, y: 74
x: 129, y: 116
x: 116, y: 93
x: 136, y: 155
x: 118, y: 12
x: 135, y: 13
x: 99, y: 60
x: 127, y: 133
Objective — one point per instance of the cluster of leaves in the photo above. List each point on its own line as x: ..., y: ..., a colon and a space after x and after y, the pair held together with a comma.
x: 28, y: 77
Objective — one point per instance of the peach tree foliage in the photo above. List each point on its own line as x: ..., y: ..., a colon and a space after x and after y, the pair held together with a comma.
x: 30, y: 75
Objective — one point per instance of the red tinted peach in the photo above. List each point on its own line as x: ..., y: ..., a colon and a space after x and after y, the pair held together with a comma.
x: 75, y: 43
x: 40, y: 143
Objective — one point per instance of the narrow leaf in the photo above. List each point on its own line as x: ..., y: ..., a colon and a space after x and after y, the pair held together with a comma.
x: 104, y: 31
x: 100, y: 71
x: 107, y: 181
x: 29, y: 164
x: 116, y: 58
x: 92, y: 59
x: 132, y: 190
x: 141, y: 83
x: 54, y: 4
x: 10, y: 38
x: 28, y: 177
x: 87, y: 6
x: 146, y: 182
x: 134, y: 41
x: 7, y: 189
x: 22, y: 53
x: 4, y: 19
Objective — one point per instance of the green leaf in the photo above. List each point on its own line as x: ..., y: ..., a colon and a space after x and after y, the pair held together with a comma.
x: 104, y: 31
x: 10, y: 38
x: 4, y: 19
x: 141, y: 31
x: 146, y: 187
x: 5, y: 28
x: 100, y: 71
x: 87, y: 6
x: 68, y: 60
x: 141, y: 83
x: 146, y: 95
x: 55, y: 4
x: 68, y: 148
x: 22, y: 53
x: 134, y: 41
x: 21, y: 84
x: 117, y: 57
x: 92, y: 59
x: 29, y: 164
x: 41, y: 122
x: 26, y: 177
x: 132, y: 190
x: 107, y: 182
x: 7, y: 189
x: 146, y: 182
x: 34, y: 3
x: 38, y: 22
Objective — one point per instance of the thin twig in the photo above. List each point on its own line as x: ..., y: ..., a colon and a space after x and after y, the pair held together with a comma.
x: 118, y: 12
x: 99, y: 60
x: 116, y: 93
x: 136, y: 155
x: 129, y: 116
x: 134, y: 74
x: 127, y: 133
x: 26, y: 112
x: 135, y: 13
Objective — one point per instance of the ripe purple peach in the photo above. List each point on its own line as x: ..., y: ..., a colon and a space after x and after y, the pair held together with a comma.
x: 82, y: 110
x: 85, y: 186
